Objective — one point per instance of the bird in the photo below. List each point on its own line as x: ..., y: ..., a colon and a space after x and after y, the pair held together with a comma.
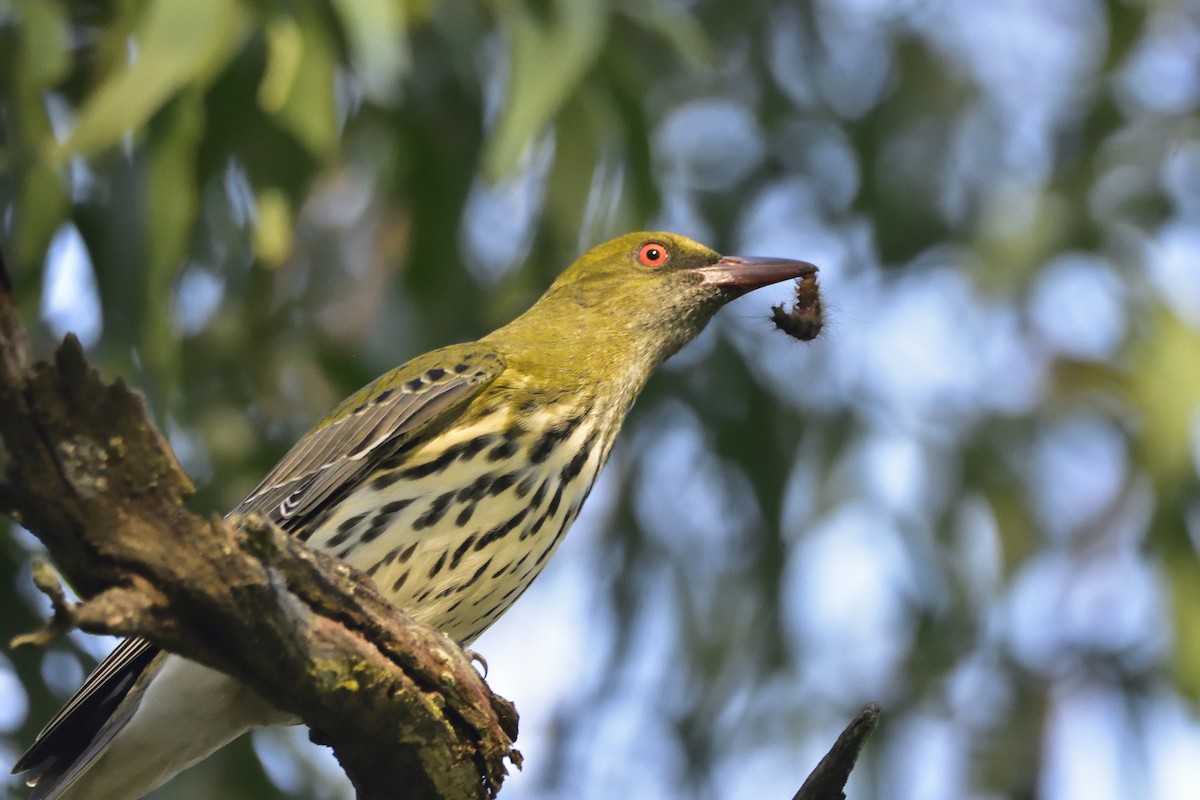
x: 449, y: 480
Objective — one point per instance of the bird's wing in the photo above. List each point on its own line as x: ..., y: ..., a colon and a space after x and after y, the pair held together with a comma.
x: 399, y: 407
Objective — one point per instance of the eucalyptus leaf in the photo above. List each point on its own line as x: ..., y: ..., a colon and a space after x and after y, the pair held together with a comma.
x: 176, y: 43
x: 550, y: 57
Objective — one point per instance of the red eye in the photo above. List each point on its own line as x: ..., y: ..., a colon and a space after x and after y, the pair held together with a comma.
x: 653, y: 254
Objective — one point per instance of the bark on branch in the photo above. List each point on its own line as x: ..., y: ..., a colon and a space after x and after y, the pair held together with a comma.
x: 828, y: 780
x: 83, y: 468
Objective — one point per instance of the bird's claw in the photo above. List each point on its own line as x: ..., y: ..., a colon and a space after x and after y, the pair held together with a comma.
x: 474, y: 657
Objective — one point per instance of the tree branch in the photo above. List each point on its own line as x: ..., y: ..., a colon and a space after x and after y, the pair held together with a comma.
x: 83, y: 468
x: 828, y: 779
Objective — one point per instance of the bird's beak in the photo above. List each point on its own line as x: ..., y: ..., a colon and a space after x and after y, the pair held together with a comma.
x: 744, y: 274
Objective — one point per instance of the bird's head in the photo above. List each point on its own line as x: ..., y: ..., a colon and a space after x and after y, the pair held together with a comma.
x: 639, y: 298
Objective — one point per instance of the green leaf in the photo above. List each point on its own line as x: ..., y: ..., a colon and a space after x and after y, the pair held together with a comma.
x: 273, y: 231
x: 43, y: 206
x: 679, y: 28
x: 42, y: 62
x: 297, y: 88
x: 1165, y: 388
x: 550, y: 58
x: 178, y: 43
x: 378, y: 34
x: 1183, y: 576
x: 173, y: 187
x: 45, y: 54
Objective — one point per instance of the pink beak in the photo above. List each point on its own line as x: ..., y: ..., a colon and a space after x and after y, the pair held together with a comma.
x: 744, y: 274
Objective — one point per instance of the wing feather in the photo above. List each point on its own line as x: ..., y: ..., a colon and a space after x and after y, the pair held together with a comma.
x: 84, y: 714
x: 373, y: 423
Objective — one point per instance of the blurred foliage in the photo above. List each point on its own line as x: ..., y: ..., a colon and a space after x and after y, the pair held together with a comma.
x: 975, y: 500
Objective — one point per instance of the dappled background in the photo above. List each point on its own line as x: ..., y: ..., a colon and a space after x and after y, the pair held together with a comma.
x: 974, y: 499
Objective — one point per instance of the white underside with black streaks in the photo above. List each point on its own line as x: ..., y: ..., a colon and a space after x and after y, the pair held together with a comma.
x: 459, y: 575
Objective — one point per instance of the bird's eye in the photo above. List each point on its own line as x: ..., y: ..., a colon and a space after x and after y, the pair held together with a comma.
x: 653, y: 254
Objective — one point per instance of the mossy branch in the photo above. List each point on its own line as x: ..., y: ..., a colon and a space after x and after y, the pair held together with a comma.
x: 84, y: 469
